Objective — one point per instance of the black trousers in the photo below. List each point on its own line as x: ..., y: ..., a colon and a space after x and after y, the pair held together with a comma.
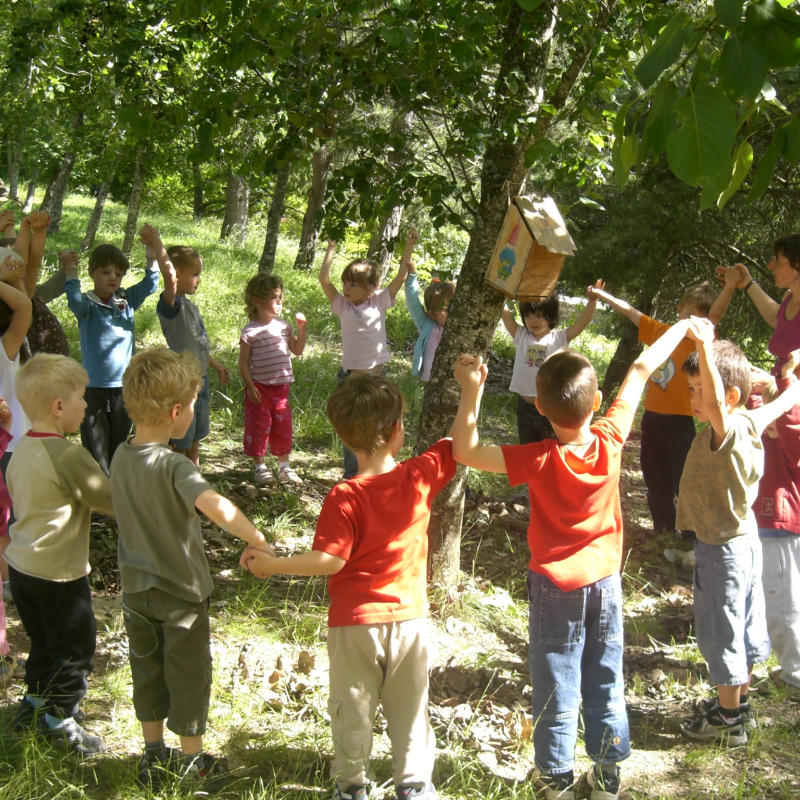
x: 531, y: 425
x: 106, y: 424
x: 666, y: 439
x: 59, y: 621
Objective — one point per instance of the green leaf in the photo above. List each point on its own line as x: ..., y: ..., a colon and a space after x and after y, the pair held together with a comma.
x: 529, y: 5
x: 711, y: 191
x: 619, y: 122
x: 766, y: 168
x: 742, y: 66
x: 778, y: 30
x: 587, y: 201
x: 664, y: 52
x: 791, y: 141
x: 701, y: 147
x: 630, y: 147
x: 741, y: 166
x: 660, y: 121
x: 729, y: 12
x: 621, y: 173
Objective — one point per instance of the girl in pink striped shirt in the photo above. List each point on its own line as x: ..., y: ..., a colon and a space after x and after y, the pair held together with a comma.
x: 266, y: 346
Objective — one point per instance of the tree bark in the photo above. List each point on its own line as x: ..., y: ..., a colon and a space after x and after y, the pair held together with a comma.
x: 48, y: 192
x: 237, y: 204
x: 312, y: 220
x: 135, y: 202
x: 13, y: 156
x: 276, y: 209
x: 58, y: 192
x: 381, y: 246
x: 198, y: 203
x: 97, y: 211
x: 26, y: 209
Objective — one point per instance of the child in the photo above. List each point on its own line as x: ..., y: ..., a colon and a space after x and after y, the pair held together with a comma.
x: 166, y: 582
x: 361, y: 308
x: 575, y: 538
x: 7, y: 662
x: 429, y: 320
x: 667, y: 423
x: 183, y: 329
x: 55, y: 485
x: 105, y: 321
x: 535, y: 341
x: 265, y: 364
x: 372, y: 540
x: 717, y: 491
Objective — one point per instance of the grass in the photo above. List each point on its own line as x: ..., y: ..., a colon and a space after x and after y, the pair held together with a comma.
x: 267, y: 715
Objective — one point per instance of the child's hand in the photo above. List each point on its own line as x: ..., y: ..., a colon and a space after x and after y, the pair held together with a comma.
x: 599, y: 285
x: 149, y: 236
x: 68, y: 259
x: 254, y: 394
x: 331, y: 245
x: 737, y: 276
x: 5, y: 415
x: 470, y: 371
x: 792, y: 364
x: 701, y: 330
x: 300, y: 319
x: 6, y: 220
x: 223, y: 374
x: 12, y: 269
x: 413, y: 237
x: 38, y: 220
x: 260, y: 563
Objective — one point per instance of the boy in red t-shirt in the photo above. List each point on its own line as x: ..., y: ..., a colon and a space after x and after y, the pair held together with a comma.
x: 575, y: 538
x: 372, y: 539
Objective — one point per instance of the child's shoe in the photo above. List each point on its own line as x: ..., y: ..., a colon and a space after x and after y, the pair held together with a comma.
x: 713, y: 727
x: 705, y: 704
x: 428, y: 791
x: 263, y: 475
x: 211, y: 772
x: 556, y: 787
x: 154, y: 766
x: 354, y: 792
x: 68, y: 735
x: 604, y: 782
x: 287, y: 475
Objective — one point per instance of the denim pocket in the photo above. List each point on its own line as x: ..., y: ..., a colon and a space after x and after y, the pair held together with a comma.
x: 142, y: 636
x: 610, y: 614
x: 562, y: 615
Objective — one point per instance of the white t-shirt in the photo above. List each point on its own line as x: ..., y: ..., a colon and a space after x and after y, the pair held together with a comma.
x: 363, y: 330
x: 270, y: 358
x: 20, y: 424
x: 531, y: 354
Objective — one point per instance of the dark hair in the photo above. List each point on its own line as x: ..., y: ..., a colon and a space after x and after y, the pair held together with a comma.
x: 260, y: 287
x: 566, y: 386
x: 363, y: 409
x: 182, y: 256
x: 548, y: 308
x: 437, y: 293
x: 789, y: 246
x: 107, y: 255
x: 363, y: 272
x: 732, y: 365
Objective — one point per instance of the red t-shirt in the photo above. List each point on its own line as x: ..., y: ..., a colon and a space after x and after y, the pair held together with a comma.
x: 575, y: 532
x: 379, y: 525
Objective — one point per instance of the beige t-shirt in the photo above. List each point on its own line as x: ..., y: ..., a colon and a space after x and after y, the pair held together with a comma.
x: 54, y: 484
x: 718, y: 487
x: 160, y: 538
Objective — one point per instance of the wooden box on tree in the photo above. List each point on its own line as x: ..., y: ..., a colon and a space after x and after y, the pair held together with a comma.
x: 531, y: 249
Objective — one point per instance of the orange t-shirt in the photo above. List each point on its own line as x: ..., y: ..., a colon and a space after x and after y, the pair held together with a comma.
x: 667, y: 388
x: 575, y: 532
x: 379, y: 525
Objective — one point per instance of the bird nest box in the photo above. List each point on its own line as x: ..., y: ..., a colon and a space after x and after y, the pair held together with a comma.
x: 530, y: 252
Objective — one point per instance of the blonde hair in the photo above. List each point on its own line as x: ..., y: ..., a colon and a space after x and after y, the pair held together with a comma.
x: 702, y: 297
x: 363, y: 411
x: 45, y: 379
x: 363, y: 272
x: 260, y: 287
x: 156, y: 380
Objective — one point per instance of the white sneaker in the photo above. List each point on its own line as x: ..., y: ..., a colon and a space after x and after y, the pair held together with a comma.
x: 264, y: 476
x: 287, y: 475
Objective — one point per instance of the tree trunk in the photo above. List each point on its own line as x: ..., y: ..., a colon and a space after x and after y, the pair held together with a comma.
x: 97, y: 211
x: 14, y: 155
x: 381, y: 246
x: 48, y: 193
x: 135, y: 202
x: 237, y: 204
x: 276, y: 209
x: 59, y: 190
x: 26, y: 209
x: 320, y: 168
x: 198, y: 204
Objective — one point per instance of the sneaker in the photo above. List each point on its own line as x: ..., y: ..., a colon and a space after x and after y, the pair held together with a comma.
x: 70, y: 736
x: 548, y: 791
x: 705, y: 704
x: 209, y: 771
x: 8, y: 666
x: 154, y: 768
x: 353, y: 792
x: 264, y: 476
x: 288, y: 475
x: 604, y: 785
x: 27, y: 715
x: 713, y: 727
x: 405, y: 792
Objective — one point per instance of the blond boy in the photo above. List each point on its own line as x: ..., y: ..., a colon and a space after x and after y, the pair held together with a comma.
x: 54, y: 485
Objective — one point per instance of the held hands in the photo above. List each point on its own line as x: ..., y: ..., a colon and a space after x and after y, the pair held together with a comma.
x: 253, y: 394
x: 5, y: 415
x: 261, y: 563
x: 792, y: 364
x: 7, y: 221
x: 68, y: 259
x: 150, y: 237
x: 470, y: 371
x: 737, y: 276
x: 38, y: 220
x: 413, y: 237
x: 591, y: 291
x: 12, y: 269
x: 701, y: 330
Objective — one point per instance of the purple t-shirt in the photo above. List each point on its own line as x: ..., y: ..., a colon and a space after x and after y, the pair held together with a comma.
x: 785, y: 338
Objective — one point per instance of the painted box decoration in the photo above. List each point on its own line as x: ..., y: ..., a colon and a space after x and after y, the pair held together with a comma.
x: 531, y: 249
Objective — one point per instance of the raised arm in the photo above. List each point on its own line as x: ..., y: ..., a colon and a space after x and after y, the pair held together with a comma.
x: 415, y: 307
x: 405, y: 263
x: 325, y: 272
x: 714, y: 399
x: 7, y: 224
x: 297, y: 345
x: 766, y: 306
x: 574, y: 330
x: 470, y: 373
x: 720, y: 305
x: 18, y: 302
x: 39, y: 222
x: 509, y: 323
x: 151, y: 239
x: 23, y: 243
x: 633, y: 385
x: 781, y: 405
x: 626, y: 309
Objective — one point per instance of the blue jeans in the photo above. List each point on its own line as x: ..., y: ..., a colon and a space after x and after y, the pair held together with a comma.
x: 576, y: 648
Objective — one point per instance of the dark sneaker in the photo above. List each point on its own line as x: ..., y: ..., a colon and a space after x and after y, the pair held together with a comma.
x: 604, y: 785
x: 70, y: 736
x: 705, y: 704
x: 407, y: 792
x: 353, y: 792
x: 713, y: 727
x: 210, y: 772
x: 26, y: 715
x: 154, y: 768
x: 548, y: 790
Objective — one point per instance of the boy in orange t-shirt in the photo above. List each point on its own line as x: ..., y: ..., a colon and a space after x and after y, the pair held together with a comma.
x: 575, y: 538
x: 668, y: 423
x: 372, y: 539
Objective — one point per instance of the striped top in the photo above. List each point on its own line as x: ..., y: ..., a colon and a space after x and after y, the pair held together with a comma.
x: 270, y: 359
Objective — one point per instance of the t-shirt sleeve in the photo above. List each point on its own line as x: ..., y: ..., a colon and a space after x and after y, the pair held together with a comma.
x: 384, y: 299
x: 438, y: 464
x: 335, y: 533
x: 82, y: 475
x: 246, y: 336
x: 520, y: 335
x: 524, y: 461
x: 169, y: 311
x: 651, y: 330
x: 188, y: 483
x: 560, y: 339
x: 616, y: 425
